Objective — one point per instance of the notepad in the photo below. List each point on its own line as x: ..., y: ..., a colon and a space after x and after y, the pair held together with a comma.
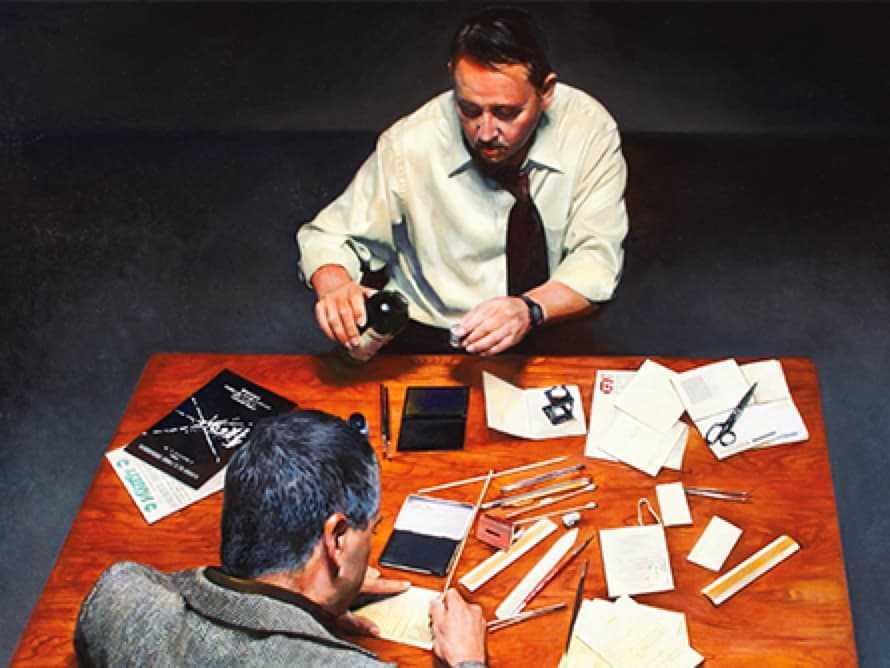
x: 404, y: 618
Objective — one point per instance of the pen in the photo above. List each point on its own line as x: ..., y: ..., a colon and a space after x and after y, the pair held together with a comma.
x: 554, y: 572
x: 384, y: 420
x: 467, y: 481
x: 498, y: 624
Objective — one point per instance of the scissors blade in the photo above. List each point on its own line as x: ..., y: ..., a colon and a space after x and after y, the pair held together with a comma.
x: 745, y: 400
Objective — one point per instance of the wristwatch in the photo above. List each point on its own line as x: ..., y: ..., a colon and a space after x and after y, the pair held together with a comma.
x: 535, y: 312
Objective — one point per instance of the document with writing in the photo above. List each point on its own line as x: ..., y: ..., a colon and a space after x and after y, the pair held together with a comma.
x: 607, y: 387
x: 710, y: 393
x: 636, y: 560
x: 625, y: 633
x: 404, y: 618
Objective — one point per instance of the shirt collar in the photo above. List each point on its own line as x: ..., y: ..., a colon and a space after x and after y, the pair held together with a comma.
x: 245, y: 586
x: 543, y: 154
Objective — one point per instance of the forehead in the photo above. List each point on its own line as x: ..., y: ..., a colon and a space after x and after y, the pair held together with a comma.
x: 505, y: 84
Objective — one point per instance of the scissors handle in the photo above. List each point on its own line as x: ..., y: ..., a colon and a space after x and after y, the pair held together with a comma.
x: 720, y: 432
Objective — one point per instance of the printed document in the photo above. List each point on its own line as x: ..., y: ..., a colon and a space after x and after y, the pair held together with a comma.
x: 607, y: 386
x: 650, y: 398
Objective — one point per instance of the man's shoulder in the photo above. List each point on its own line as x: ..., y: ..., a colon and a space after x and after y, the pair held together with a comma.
x: 432, y: 118
x: 572, y: 106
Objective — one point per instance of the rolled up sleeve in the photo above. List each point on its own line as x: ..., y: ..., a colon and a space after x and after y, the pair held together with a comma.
x: 597, y: 222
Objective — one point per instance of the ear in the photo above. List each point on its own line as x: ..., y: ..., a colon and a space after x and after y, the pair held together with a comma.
x: 334, y: 539
x: 547, y: 90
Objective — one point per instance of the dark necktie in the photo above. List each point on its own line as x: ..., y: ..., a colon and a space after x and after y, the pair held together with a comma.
x: 527, y: 265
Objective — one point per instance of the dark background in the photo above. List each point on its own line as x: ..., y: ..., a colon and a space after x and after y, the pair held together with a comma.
x: 156, y: 159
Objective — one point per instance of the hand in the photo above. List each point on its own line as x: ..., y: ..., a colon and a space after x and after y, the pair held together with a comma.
x: 458, y: 629
x: 494, y: 325
x: 340, y: 309
x: 373, y: 584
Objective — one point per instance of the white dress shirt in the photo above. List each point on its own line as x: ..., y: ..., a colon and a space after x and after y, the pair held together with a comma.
x: 421, y: 206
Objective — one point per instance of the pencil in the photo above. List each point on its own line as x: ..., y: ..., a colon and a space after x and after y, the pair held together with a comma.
x: 498, y: 624
x: 460, y: 547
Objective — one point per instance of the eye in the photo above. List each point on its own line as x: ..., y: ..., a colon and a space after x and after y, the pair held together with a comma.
x: 506, y: 113
x: 469, y: 109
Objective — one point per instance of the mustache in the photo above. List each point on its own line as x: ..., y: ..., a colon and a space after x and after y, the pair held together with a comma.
x: 489, y: 144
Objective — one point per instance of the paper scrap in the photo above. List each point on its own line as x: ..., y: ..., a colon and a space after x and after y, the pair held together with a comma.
x: 714, y: 545
x: 651, y: 399
x: 673, y: 505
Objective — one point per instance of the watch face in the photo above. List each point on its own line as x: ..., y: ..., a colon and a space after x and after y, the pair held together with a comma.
x: 536, y: 313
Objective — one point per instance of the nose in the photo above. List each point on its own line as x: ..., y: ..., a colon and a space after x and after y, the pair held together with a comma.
x: 487, y: 130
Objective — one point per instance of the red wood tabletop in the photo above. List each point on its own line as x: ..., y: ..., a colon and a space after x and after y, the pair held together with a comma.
x: 796, y: 615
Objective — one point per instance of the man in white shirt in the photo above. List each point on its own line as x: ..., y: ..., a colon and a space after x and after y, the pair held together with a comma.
x: 435, y: 203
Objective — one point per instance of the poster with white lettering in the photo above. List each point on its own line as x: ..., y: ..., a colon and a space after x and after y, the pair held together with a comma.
x: 197, y: 439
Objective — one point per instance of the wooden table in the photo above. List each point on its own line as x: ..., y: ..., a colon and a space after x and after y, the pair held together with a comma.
x: 796, y: 615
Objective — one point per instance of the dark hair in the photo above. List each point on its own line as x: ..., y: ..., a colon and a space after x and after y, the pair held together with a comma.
x: 503, y: 35
x: 294, y: 471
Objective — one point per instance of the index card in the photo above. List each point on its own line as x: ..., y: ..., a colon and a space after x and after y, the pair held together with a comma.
x: 650, y: 398
x: 710, y: 389
x: 404, y: 618
x: 636, y: 560
x: 673, y: 505
x: 714, y: 545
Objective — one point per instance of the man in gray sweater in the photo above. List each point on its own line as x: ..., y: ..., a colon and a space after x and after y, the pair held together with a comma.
x: 302, y: 498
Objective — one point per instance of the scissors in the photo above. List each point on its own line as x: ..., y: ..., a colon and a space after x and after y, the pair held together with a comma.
x: 721, y: 432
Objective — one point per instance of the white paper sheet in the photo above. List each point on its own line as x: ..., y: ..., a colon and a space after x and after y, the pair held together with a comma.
x: 651, y: 399
x: 630, y: 635
x: 636, y: 560
x: 672, y: 504
x: 404, y: 618
x: 714, y: 545
x: 711, y: 389
x: 640, y: 446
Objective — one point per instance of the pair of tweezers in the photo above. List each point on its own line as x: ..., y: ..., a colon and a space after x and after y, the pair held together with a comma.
x: 721, y: 494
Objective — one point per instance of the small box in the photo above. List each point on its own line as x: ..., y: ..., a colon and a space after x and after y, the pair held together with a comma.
x: 495, y: 531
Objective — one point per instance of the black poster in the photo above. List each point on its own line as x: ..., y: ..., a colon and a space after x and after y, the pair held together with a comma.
x: 198, y: 438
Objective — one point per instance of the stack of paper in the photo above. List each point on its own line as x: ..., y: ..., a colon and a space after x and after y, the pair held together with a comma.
x: 709, y: 394
x: 607, y: 387
x: 645, y: 429
x: 626, y: 634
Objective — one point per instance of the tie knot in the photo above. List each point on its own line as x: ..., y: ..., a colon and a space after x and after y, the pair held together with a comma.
x: 518, y: 186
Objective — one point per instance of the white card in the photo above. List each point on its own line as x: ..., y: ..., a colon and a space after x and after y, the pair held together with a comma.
x: 715, y: 544
x: 673, y: 505
x: 640, y: 446
x: 770, y: 379
x: 636, y: 560
x: 651, y: 399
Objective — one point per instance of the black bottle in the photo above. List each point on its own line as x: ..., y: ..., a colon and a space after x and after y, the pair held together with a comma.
x: 387, y: 315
